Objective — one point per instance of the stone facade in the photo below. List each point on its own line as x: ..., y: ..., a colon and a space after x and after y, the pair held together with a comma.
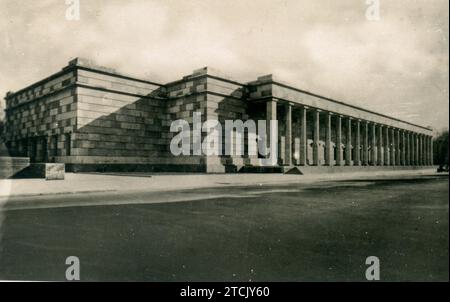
x: 94, y: 119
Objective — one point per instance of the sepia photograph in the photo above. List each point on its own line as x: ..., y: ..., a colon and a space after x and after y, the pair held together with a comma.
x: 244, y: 143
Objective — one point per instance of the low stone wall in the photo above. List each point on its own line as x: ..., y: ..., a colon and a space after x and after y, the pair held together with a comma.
x: 11, y: 166
x: 49, y: 171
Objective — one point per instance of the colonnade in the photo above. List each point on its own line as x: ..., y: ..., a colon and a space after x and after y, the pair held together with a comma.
x: 370, y: 144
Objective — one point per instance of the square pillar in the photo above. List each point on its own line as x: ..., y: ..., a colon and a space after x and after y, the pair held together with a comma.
x: 411, y: 149
x: 380, y: 146
x: 316, y: 121
x: 288, y: 135
x: 303, y: 137
x: 387, y: 147
x: 348, y: 148
x: 338, y: 140
x: 431, y: 151
x: 397, y: 147
x: 271, y: 115
x: 393, y: 149
x: 374, y: 160
x: 422, y: 150
x: 417, y: 149
x: 357, y: 161
x: 408, y: 148
x: 403, y: 148
x: 425, y: 138
x: 328, y: 147
x: 366, y: 144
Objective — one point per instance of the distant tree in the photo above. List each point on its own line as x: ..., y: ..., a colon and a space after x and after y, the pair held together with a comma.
x: 440, y: 149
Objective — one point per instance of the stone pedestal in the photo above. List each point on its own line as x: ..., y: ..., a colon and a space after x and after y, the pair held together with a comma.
x: 49, y: 171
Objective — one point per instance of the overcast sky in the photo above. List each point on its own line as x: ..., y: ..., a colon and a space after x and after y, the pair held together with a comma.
x: 397, y: 65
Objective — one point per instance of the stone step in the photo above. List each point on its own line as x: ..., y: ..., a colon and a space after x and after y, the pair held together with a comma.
x: 261, y: 169
x: 49, y: 171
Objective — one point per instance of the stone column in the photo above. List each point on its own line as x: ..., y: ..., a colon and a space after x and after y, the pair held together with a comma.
x: 338, y: 140
x: 413, y: 149
x: 393, y: 150
x: 403, y: 148
x: 366, y: 144
x: 421, y: 149
x: 408, y: 148
x: 316, y: 118
x: 288, y: 135
x: 357, y: 161
x: 424, y: 150
x: 328, y: 147
x: 374, y: 160
x: 271, y: 114
x: 380, y: 145
x: 387, y: 158
x: 397, y: 148
x: 431, y: 150
x: 417, y: 151
x: 303, y: 138
x: 348, y: 148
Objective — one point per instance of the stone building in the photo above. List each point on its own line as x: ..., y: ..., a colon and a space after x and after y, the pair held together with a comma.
x: 94, y: 119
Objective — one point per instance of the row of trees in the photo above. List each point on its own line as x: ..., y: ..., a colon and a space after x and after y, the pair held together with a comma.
x: 440, y: 149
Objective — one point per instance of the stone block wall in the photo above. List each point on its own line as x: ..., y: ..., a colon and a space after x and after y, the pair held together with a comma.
x: 41, y: 117
x: 119, y: 120
x: 185, y: 97
x: 226, y: 100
